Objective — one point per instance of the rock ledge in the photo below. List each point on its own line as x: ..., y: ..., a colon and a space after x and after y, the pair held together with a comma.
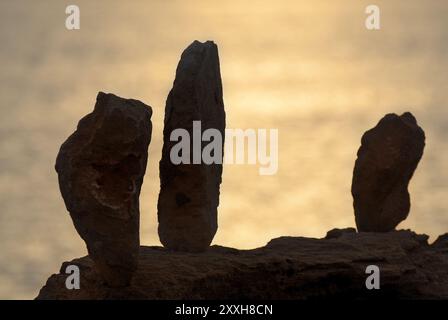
x: 286, y: 268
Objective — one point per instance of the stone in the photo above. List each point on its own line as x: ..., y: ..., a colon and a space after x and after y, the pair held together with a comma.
x: 337, y: 233
x: 442, y: 241
x: 189, y: 193
x: 101, y: 168
x: 287, y: 268
x: 387, y: 159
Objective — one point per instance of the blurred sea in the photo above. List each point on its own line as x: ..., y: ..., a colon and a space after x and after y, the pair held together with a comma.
x: 310, y: 69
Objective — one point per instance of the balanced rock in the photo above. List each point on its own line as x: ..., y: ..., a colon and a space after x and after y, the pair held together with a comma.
x: 101, y: 168
x: 387, y: 159
x: 189, y: 195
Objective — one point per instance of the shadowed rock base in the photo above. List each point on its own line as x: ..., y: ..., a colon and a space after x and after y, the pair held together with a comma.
x: 101, y: 168
x: 387, y: 159
x: 287, y: 268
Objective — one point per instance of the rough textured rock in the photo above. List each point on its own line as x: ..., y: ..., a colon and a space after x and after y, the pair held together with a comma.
x: 337, y: 233
x: 189, y: 193
x: 287, y: 268
x: 387, y: 159
x: 101, y: 168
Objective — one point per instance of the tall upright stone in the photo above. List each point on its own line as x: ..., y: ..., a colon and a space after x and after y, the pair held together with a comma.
x: 387, y: 159
x: 189, y: 193
x: 101, y: 168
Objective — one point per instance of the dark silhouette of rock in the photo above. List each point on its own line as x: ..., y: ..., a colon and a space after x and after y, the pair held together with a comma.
x: 287, y: 268
x: 336, y: 233
x: 442, y: 242
x: 189, y: 193
x: 101, y: 168
x: 387, y: 159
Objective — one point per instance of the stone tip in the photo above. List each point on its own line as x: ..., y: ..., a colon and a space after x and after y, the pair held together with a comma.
x: 103, y: 98
x: 406, y: 116
x: 202, y: 44
x: 409, y: 118
x: 197, y: 45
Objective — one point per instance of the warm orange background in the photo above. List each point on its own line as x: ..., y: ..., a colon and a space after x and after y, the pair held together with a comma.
x: 308, y: 68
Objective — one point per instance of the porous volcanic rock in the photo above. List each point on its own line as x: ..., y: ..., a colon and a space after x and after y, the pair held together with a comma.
x: 100, y: 169
x: 189, y: 192
x: 387, y: 159
x: 286, y: 268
